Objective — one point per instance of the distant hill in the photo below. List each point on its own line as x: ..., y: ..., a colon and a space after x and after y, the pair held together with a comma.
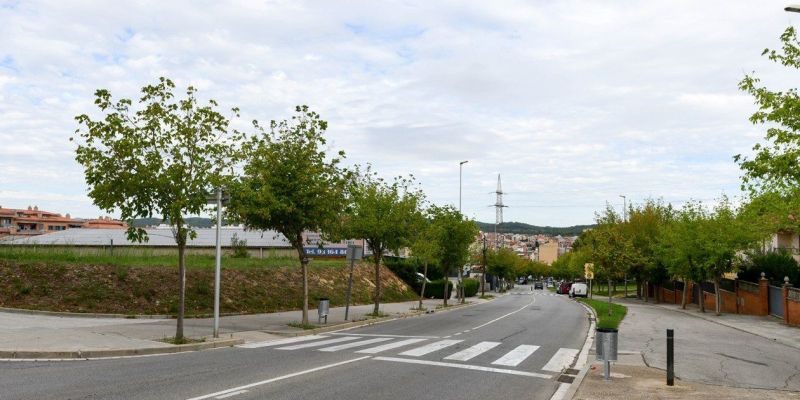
x: 526, y: 229
x: 196, y: 222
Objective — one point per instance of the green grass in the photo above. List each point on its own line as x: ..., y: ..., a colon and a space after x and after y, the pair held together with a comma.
x: 617, y: 291
x: 487, y: 297
x: 601, y: 309
x: 126, y: 258
x: 302, y: 326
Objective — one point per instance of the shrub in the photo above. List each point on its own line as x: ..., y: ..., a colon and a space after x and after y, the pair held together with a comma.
x: 471, y: 286
x: 239, y: 247
x: 435, y: 289
x: 775, y: 265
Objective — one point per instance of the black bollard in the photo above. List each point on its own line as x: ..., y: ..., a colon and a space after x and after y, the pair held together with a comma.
x: 670, y: 357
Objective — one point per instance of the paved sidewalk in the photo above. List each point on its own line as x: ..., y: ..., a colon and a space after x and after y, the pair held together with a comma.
x: 712, y: 360
x: 45, y: 333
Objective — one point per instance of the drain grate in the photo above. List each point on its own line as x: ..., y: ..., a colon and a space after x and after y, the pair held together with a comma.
x: 571, y: 371
x: 565, y: 379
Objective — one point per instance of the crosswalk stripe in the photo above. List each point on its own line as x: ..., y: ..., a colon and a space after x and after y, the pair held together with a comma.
x: 562, y: 359
x: 321, y: 343
x: 355, y: 344
x: 516, y: 356
x: 389, y: 346
x: 430, y: 348
x: 473, y: 351
x: 281, y: 341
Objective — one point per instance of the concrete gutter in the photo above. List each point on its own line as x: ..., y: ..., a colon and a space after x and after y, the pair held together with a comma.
x: 91, y: 354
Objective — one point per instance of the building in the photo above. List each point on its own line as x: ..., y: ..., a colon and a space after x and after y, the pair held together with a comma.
x: 548, y: 252
x: 33, y: 221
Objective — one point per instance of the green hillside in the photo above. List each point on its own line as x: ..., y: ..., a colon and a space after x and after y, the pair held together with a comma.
x: 526, y: 229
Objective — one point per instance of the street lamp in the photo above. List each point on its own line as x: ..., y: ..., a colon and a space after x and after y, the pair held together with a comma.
x: 624, y: 208
x: 460, y: 165
x: 219, y: 202
x: 792, y: 8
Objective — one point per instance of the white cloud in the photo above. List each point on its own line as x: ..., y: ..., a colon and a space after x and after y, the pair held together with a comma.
x: 574, y: 102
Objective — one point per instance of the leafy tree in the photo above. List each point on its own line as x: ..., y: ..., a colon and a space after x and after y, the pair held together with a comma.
x: 453, y: 235
x: 502, y: 263
x: 291, y: 185
x: 425, y: 247
x: 384, y: 214
x: 609, y: 249
x: 681, y: 248
x: 643, y: 227
x: 158, y: 158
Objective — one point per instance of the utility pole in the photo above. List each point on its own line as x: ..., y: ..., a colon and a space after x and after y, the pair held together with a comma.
x: 217, y: 264
x: 460, y: 268
x: 625, y: 219
x: 498, y: 206
x: 483, y: 275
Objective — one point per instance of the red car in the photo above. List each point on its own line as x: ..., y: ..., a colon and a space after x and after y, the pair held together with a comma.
x: 563, y: 288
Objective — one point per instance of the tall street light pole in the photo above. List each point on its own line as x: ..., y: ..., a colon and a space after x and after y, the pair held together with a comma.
x: 460, y: 268
x: 625, y: 219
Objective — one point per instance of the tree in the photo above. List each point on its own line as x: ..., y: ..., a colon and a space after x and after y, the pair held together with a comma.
x: 425, y: 247
x: 681, y: 248
x: 643, y: 227
x: 384, y: 214
x: 159, y: 158
x: 610, y: 250
x: 453, y: 234
x: 291, y: 185
x: 502, y: 263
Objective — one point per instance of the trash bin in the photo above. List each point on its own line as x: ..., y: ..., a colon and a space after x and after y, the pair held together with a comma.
x: 322, y: 309
x: 606, y: 344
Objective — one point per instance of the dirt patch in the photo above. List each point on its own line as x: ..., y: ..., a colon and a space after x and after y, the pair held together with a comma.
x: 154, y: 290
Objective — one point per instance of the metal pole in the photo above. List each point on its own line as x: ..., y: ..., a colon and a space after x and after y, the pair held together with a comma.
x: 670, y: 357
x: 349, y: 289
x: 217, y: 266
x: 483, y: 275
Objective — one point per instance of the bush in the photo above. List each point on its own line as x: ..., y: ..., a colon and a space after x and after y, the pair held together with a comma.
x: 471, y: 286
x: 775, y: 265
x: 239, y: 247
x: 407, y: 268
x: 435, y: 289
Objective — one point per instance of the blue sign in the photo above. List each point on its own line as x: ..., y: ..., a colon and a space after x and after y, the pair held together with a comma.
x: 325, y: 252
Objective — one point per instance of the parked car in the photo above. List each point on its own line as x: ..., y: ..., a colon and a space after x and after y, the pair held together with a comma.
x: 421, y: 277
x: 578, y: 289
x: 563, y: 287
x: 538, y: 285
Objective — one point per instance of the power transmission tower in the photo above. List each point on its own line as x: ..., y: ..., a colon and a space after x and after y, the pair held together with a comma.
x: 498, y: 206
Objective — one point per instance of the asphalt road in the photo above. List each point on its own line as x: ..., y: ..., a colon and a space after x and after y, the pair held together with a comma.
x: 513, y: 347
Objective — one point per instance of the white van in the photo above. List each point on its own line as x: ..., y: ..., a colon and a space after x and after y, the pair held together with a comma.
x: 578, y: 289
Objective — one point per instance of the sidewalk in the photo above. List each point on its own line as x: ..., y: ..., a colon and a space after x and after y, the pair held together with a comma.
x: 45, y: 336
x: 744, y: 357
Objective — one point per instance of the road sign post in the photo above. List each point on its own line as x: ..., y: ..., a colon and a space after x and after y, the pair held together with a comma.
x: 353, y: 253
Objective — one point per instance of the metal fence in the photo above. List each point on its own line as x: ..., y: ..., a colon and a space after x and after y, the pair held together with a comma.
x: 776, y: 301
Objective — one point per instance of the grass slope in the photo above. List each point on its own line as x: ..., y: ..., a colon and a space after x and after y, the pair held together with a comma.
x: 601, y: 309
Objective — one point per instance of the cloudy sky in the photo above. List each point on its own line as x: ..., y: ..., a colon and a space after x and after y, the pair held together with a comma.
x: 573, y: 102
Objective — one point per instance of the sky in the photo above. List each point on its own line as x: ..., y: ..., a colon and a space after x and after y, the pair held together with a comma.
x: 573, y: 103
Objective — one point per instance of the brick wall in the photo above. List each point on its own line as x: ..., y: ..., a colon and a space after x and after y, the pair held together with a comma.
x: 728, y: 301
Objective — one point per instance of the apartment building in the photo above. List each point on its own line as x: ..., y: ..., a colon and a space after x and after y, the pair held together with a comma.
x: 33, y: 221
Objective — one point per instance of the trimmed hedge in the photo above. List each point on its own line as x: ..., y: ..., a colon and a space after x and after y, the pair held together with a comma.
x: 435, y: 289
x: 471, y: 286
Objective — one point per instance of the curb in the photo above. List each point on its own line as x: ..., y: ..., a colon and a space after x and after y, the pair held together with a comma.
x: 367, y: 322
x: 92, y: 354
x: 83, y: 315
x: 576, y: 383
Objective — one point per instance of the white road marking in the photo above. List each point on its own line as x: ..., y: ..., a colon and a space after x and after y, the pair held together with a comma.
x: 516, y: 356
x: 385, y: 335
x: 320, y: 343
x: 231, y: 394
x: 562, y: 359
x: 281, y: 341
x: 389, y: 346
x: 264, y: 382
x: 355, y: 344
x: 533, y: 299
x: 464, y: 366
x: 430, y: 348
x: 472, y: 352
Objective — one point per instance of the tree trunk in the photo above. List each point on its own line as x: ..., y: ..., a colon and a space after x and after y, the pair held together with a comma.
x: 638, y: 289
x: 446, y: 285
x: 702, y: 298
x: 609, y: 297
x: 717, y: 296
x: 683, y: 293
x: 182, y: 291
x: 424, y: 281
x: 377, y: 258
x: 304, y: 266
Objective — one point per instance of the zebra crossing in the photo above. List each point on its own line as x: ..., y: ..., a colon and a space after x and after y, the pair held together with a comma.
x: 416, y: 347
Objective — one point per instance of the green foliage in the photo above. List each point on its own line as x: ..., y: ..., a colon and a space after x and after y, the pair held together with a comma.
x: 604, y: 319
x: 385, y: 214
x: 471, y: 286
x: 435, y: 289
x: 502, y: 263
x: 239, y: 247
x: 774, y: 264
x: 159, y: 158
